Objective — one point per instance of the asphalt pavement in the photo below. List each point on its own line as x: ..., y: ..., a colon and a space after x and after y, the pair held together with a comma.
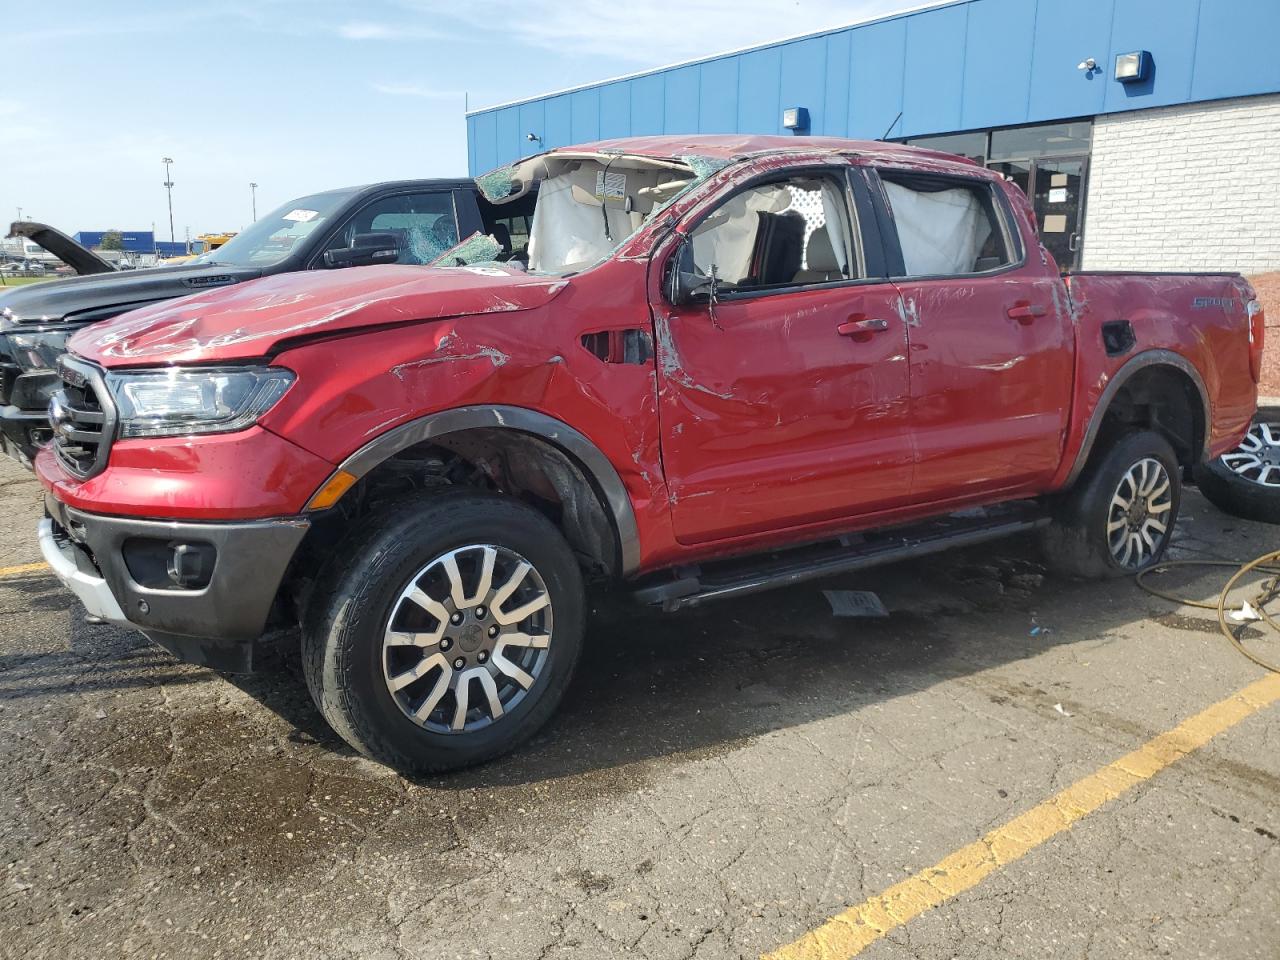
x: 1008, y: 765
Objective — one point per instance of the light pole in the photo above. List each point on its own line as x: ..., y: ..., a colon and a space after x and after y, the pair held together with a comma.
x: 253, y: 195
x: 168, y: 185
x: 19, y: 213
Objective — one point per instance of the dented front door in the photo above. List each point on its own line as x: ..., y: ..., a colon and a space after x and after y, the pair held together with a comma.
x: 783, y: 410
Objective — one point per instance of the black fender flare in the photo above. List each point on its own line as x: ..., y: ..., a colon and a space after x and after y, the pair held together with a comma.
x: 597, y: 467
x: 1143, y: 361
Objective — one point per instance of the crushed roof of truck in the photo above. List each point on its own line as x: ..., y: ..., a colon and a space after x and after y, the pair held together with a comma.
x: 728, y: 146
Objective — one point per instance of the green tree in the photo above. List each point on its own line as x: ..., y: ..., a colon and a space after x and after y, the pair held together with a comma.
x: 112, y: 240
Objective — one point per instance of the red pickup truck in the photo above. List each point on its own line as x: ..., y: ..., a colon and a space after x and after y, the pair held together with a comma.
x: 723, y: 364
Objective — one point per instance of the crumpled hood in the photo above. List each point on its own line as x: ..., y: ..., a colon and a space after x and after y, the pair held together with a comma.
x: 254, y: 319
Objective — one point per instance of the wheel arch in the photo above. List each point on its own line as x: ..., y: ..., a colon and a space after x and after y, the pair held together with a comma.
x: 1152, y: 371
x: 586, y: 459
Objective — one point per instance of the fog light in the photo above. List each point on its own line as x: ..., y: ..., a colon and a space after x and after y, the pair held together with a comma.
x: 191, y: 565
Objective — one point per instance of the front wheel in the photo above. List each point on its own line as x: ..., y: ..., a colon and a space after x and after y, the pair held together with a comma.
x: 448, y: 632
x: 1119, y: 517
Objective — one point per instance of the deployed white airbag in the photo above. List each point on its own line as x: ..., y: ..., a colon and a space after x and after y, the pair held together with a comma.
x: 941, y: 232
x: 567, y: 232
x: 727, y: 238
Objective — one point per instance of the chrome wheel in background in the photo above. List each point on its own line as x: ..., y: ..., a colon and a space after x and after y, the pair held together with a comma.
x: 467, y: 638
x: 1257, y: 459
x: 1138, y: 519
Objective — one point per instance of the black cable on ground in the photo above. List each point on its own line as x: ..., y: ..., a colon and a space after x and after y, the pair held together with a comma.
x: 1268, y: 563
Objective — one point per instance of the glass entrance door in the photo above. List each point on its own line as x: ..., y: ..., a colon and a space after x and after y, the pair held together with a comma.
x: 1058, y: 197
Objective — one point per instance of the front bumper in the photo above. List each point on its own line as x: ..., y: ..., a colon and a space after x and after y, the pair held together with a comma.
x: 24, y: 420
x: 23, y: 433
x: 121, y: 570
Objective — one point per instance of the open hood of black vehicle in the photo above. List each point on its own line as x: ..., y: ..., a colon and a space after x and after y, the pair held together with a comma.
x: 78, y: 258
x: 90, y: 299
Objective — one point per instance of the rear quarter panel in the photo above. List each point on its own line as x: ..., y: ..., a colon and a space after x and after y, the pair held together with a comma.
x: 1200, y: 317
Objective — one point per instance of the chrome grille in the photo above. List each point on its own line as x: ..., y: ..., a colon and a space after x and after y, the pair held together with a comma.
x: 83, y: 418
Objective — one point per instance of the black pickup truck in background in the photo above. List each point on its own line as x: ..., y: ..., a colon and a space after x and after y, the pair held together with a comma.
x: 404, y: 221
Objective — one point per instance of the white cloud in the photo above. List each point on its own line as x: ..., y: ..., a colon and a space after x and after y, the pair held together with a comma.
x: 416, y: 90
x: 364, y: 30
x: 371, y: 30
x: 659, y: 31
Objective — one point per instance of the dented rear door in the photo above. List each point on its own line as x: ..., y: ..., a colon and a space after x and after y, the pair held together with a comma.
x: 991, y: 346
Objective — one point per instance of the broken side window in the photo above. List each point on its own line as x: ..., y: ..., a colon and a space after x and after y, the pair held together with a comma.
x: 946, y: 226
x: 510, y: 224
x: 477, y: 248
x: 423, y: 225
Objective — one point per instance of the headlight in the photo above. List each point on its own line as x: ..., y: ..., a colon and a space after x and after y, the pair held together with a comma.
x: 37, y: 351
x: 176, y: 402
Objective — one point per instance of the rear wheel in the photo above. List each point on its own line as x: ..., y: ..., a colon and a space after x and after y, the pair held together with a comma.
x: 1119, y: 517
x: 448, y: 633
x: 1246, y: 481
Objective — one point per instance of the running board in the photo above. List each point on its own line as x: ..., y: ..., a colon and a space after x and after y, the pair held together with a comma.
x: 720, y: 580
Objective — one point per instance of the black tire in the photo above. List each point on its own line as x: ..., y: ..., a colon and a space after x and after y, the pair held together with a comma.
x: 343, y: 629
x: 1242, y: 495
x: 1077, y: 542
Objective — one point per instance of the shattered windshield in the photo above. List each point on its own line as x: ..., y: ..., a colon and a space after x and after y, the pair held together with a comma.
x: 274, y: 237
x: 587, y: 206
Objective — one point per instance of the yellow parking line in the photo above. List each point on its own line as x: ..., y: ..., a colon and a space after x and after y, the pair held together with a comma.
x: 22, y: 569
x: 848, y: 933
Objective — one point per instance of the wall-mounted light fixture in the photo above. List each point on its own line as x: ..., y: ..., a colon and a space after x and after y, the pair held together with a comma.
x: 533, y: 138
x: 1088, y: 66
x: 1133, y: 67
x: 796, y: 118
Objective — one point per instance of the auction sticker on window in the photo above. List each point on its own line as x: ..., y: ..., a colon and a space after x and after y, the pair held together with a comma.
x: 302, y: 216
x: 611, y: 186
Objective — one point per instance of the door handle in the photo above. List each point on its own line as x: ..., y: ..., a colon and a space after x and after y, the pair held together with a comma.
x: 1026, y: 313
x: 860, y: 327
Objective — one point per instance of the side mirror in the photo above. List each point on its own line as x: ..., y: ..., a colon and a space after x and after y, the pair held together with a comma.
x: 686, y: 285
x: 366, y: 249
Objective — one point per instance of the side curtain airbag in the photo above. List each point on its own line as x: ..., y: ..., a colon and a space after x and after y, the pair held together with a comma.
x: 940, y: 232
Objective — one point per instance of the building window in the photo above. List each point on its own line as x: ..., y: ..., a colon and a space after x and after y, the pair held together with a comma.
x: 1019, y: 171
x: 1046, y: 140
x: 970, y: 145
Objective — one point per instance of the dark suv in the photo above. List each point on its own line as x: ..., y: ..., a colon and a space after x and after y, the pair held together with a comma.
x: 403, y: 221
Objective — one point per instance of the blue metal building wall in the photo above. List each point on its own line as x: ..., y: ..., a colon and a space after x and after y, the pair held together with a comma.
x: 134, y: 241
x: 959, y: 66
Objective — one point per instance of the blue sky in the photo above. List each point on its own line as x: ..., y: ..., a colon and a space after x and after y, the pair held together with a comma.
x: 304, y: 95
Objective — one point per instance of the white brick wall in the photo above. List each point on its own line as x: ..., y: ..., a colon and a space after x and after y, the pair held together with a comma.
x: 1192, y: 187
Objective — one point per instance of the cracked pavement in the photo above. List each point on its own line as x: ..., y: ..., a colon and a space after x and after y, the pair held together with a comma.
x: 717, y: 783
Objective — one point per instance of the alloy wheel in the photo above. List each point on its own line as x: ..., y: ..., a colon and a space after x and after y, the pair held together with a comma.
x: 1257, y: 459
x: 1138, y: 520
x: 467, y: 638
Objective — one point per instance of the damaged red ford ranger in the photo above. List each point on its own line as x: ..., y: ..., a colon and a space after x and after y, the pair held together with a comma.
x: 723, y: 364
